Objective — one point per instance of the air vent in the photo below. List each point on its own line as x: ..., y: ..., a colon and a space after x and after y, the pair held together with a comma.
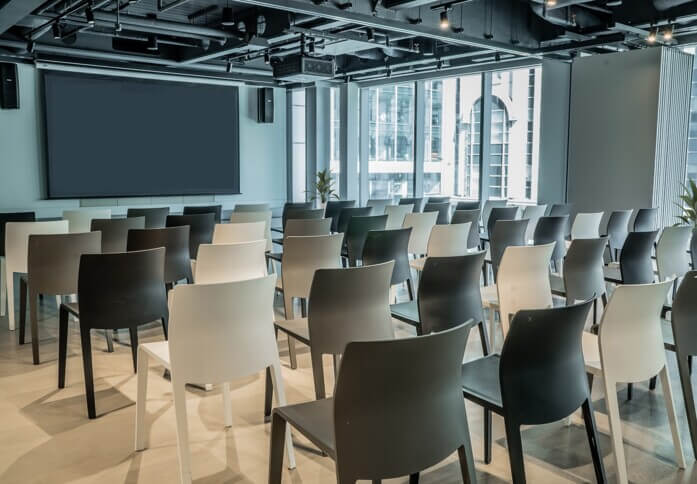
x: 302, y: 68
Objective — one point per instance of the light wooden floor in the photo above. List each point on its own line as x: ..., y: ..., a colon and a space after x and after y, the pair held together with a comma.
x: 45, y: 436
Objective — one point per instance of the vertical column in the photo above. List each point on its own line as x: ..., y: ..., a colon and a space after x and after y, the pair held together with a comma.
x: 485, y: 138
x: 289, y: 145
x: 349, y: 140
x: 419, y: 141
x: 317, y: 131
x: 363, y: 146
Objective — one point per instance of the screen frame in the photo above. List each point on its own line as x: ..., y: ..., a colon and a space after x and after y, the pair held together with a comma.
x: 235, y: 135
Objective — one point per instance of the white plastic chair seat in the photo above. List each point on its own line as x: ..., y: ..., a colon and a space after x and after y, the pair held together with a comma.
x: 490, y: 296
x: 158, y: 350
x: 418, y: 264
x: 297, y: 328
x: 612, y: 271
x: 591, y: 353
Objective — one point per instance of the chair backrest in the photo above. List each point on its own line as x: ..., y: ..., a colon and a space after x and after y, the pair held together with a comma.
x: 438, y: 200
x: 12, y: 217
x: 421, y: 224
x: 500, y: 213
x: 216, y: 210
x: 586, y: 225
x: 448, y: 240
x: 219, y: 332
x: 646, y: 219
x: 346, y: 214
x: 238, y: 233
x: 247, y: 217
x: 379, y: 204
x: 386, y: 245
x: 449, y: 292
x: 176, y: 242
x: 294, y: 205
x: 300, y: 211
x: 542, y: 370
x: 488, y: 206
x: 443, y: 210
x: 115, y: 231
x: 618, y: 228
x: 693, y: 249
x: 684, y: 315
x: 230, y: 262
x: 467, y: 205
x: 303, y: 256
x: 505, y: 233
x: 523, y: 280
x: 395, y: 215
x: 155, y: 217
x: 672, y: 259
x: 201, y: 227
x: 133, y: 293
x: 471, y: 216
x: 348, y: 305
x: 533, y: 213
x: 416, y: 202
x: 583, y: 270
x: 370, y: 438
x: 558, y: 209
x: 252, y: 207
x: 552, y: 229
x: 80, y: 220
x: 17, y: 240
x: 334, y: 208
x: 54, y: 260
x: 630, y: 336
x: 306, y: 227
x: 357, y: 231
x: 636, y: 265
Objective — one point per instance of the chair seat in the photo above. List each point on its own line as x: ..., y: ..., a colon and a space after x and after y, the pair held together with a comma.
x: 591, y: 353
x: 556, y: 281
x: 480, y: 381
x: 407, y: 312
x: 297, y: 328
x: 612, y: 273
x: 72, y: 308
x: 418, y: 264
x: 159, y: 350
x: 490, y: 296
x: 315, y: 420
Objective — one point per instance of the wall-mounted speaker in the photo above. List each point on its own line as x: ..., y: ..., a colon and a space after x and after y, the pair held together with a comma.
x: 265, y: 105
x: 9, y: 86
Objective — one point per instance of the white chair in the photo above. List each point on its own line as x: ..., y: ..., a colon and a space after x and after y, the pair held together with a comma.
x: 629, y: 349
x: 421, y: 225
x: 445, y: 241
x: 230, y: 262
x: 533, y: 214
x: 236, y: 233
x: 586, y: 225
x: 252, y: 207
x: 672, y: 258
x: 379, y: 205
x: 17, y: 252
x: 217, y: 333
x: 395, y: 215
x: 81, y: 220
x: 261, y: 216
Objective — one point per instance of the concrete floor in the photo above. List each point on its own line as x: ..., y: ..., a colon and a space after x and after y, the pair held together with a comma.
x: 45, y: 436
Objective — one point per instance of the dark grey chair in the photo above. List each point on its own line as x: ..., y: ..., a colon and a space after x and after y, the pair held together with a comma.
x: 506, y: 233
x: 334, y: 208
x: 378, y: 436
x: 155, y: 217
x: 552, y: 229
x: 636, y: 265
x: 467, y: 206
x: 471, y: 216
x: 499, y: 213
x: 646, y: 219
x: 347, y: 213
x: 176, y: 242
x: 538, y: 378
x: 292, y: 206
x: 417, y: 202
x: 617, y: 231
x: 693, y: 249
x: 438, y: 200
x: 299, y: 214
x: 558, y: 209
x: 201, y: 228
x: 390, y: 245
x: 216, y: 210
x: 443, y: 209
x: 356, y: 233
x: 115, y: 231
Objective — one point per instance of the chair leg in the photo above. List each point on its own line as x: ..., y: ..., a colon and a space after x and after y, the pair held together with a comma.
x: 141, y: 398
x: 278, y: 437
x: 414, y: 478
x: 268, y: 395
x: 467, y: 469
x: 488, y: 444
x: 484, y: 338
x: 87, y: 367
x: 227, y: 404
x: 630, y: 388
x: 179, y: 391
x: 134, y: 346
x: 515, y: 451
x: 592, y: 433
x: 689, y: 399
x: 62, y: 345
x: 672, y: 418
x: 22, y: 310
x: 410, y: 288
x: 613, y: 413
x: 109, y: 340
x: 652, y: 383
x: 165, y: 328
x: 292, y: 354
x: 3, y: 288
x: 9, y: 278
x: 277, y: 379
x: 492, y: 328
x: 34, y: 319
x: 318, y: 374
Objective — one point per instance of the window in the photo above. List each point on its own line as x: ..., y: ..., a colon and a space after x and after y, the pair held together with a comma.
x: 298, y: 140
x: 335, y: 127
x: 692, y: 134
x: 391, y: 141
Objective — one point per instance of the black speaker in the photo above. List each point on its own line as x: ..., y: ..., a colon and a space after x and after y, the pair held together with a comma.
x: 9, y: 86
x: 265, y: 105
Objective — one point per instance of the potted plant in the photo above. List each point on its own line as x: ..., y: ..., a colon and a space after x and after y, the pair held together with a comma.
x: 688, y: 205
x: 323, y: 188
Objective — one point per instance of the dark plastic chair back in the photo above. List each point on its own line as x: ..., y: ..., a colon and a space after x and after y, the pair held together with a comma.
x: 294, y: 206
x: 409, y: 383
x: 303, y: 214
x: 506, y: 233
x: 347, y: 213
x: 467, y: 206
x: 646, y: 219
x: 684, y: 315
x: 417, y: 202
x: 500, y: 213
x: 176, y: 242
x: 552, y: 229
x: 617, y: 229
x: 636, y: 265
x: 12, y: 217
x: 471, y: 216
x: 334, y: 208
x: 357, y: 232
x: 115, y: 231
x: 438, y: 200
x: 122, y: 290
x: 216, y: 210
x: 155, y: 218
x: 693, y: 249
x: 559, y: 209
x: 201, y: 228
x: 583, y: 270
x: 386, y: 245
x: 542, y: 371
x: 449, y: 292
x: 443, y: 209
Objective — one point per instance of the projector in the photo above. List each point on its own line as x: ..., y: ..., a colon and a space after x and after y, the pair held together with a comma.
x: 302, y: 68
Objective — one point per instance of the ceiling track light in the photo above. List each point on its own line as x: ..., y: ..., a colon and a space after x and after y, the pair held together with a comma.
x: 267, y: 58
x: 152, y: 43
x: 371, y: 34
x: 57, y: 31
x: 89, y: 16
x: 228, y: 17
x: 651, y: 37
x: 444, y: 20
x: 668, y: 33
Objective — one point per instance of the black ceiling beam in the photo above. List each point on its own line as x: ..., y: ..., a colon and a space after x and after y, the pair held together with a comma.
x: 407, y: 3
x: 15, y: 10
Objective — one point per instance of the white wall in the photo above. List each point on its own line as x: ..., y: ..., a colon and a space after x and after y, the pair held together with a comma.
x: 22, y: 182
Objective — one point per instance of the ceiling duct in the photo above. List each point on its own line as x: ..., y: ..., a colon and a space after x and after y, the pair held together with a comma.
x: 661, y: 5
x: 572, y: 17
x: 302, y: 68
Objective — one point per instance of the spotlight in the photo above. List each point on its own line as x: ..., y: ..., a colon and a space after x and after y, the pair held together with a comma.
x: 668, y: 33
x: 89, y: 15
x: 311, y: 47
x: 551, y: 3
x: 56, y: 31
x: 152, y: 43
x: 267, y: 58
x: 132, y: 2
x: 651, y: 38
x: 228, y: 19
x: 444, y: 21
x: 229, y: 66
x: 30, y: 46
x: 371, y: 35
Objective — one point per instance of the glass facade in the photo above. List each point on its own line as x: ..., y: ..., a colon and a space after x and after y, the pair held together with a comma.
x: 335, y: 127
x: 298, y: 173
x: 692, y: 135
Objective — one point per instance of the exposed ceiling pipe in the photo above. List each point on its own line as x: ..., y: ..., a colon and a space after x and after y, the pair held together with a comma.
x: 428, y: 60
x: 668, y: 4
